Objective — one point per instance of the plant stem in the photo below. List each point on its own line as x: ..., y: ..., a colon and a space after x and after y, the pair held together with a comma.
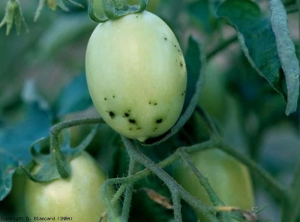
x: 221, y: 46
x: 168, y: 180
x: 62, y: 165
x: 210, y: 125
x: 56, y: 129
x: 176, y: 206
x: 128, y: 192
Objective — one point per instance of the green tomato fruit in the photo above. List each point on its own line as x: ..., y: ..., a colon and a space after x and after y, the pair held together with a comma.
x: 228, y: 178
x: 78, y: 197
x: 136, y: 75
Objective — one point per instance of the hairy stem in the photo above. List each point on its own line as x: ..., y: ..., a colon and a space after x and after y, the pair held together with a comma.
x: 128, y: 192
x: 62, y: 165
x: 176, y: 206
x: 169, y: 181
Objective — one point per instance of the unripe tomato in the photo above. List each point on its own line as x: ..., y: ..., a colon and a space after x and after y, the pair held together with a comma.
x: 228, y: 178
x: 78, y: 197
x: 136, y: 75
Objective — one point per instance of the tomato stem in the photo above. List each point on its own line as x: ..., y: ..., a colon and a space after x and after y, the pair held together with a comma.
x: 115, y: 9
x: 173, y: 186
x: 62, y: 164
x: 129, y: 191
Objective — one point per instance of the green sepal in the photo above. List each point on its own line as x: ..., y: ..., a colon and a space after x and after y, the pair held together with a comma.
x: 13, y: 13
x: 116, y: 9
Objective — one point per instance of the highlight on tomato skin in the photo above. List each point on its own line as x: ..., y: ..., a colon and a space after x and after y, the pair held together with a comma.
x: 228, y: 178
x: 136, y: 75
x: 78, y: 197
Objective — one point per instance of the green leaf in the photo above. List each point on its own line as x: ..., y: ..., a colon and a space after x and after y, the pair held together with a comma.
x: 256, y: 38
x: 287, y: 54
x: 74, y: 97
x: 15, y: 142
x: 201, y: 12
x: 195, y: 66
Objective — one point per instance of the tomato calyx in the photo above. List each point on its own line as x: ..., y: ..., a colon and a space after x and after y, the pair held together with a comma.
x: 54, y: 163
x: 115, y: 9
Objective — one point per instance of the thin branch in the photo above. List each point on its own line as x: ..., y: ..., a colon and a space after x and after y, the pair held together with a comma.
x: 63, y: 167
x: 210, y: 125
x: 128, y: 192
x: 176, y: 206
x: 223, y: 45
x: 203, y: 180
x: 56, y: 129
x: 168, y: 180
x: 216, y: 201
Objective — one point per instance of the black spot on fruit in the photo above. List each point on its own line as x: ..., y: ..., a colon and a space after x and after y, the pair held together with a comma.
x: 105, y: 99
x: 155, y: 104
x: 114, y: 96
x: 166, y: 38
x: 133, y: 121
x: 111, y: 114
x: 181, y: 64
x: 159, y: 121
x: 126, y: 114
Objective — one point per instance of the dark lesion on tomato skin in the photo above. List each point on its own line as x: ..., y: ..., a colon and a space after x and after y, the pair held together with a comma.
x: 132, y: 121
x: 152, y: 103
x: 111, y: 114
x: 159, y: 120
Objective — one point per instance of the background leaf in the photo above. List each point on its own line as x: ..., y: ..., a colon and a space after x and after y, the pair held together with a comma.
x: 16, y: 140
x: 74, y: 97
x: 201, y: 13
x: 287, y: 55
x: 256, y: 38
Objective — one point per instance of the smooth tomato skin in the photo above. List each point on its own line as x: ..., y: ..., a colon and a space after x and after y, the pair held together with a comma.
x: 78, y: 197
x: 228, y: 178
x: 136, y: 75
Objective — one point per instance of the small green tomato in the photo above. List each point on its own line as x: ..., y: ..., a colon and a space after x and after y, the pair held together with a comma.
x: 136, y: 75
x: 78, y: 197
x: 229, y: 178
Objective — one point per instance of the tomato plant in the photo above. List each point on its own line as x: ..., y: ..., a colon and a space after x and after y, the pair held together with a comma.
x: 228, y: 178
x: 224, y: 102
x: 78, y: 197
x: 136, y: 75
